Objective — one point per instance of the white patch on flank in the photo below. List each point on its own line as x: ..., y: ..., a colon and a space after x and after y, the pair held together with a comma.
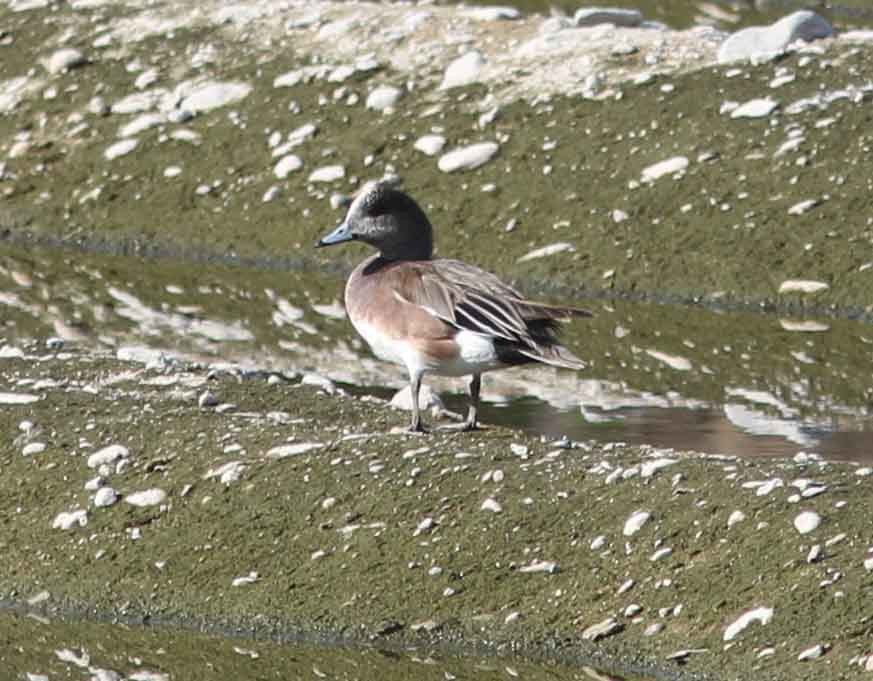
x: 477, y: 355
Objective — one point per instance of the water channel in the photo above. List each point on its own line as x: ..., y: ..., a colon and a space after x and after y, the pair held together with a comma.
x: 725, y: 382
x: 727, y: 15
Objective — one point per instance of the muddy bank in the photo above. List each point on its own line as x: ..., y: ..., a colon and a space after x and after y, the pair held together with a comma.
x: 177, y: 493
x: 235, y: 133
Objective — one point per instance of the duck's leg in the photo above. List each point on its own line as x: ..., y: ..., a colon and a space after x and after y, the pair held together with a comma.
x: 415, y: 426
x: 470, y: 423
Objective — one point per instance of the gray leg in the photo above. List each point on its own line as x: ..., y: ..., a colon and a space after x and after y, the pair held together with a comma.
x: 415, y: 425
x: 470, y: 423
x: 475, y: 386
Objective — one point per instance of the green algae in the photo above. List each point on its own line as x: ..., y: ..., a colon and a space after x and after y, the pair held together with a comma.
x: 360, y: 564
x: 721, y: 233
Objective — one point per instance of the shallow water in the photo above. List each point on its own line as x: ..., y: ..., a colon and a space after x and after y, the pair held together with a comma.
x: 725, y: 382
x: 724, y: 14
x: 37, y: 648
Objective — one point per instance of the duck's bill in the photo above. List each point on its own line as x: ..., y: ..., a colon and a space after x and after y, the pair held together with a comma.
x: 341, y: 234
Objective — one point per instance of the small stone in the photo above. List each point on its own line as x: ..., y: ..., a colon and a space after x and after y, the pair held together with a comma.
x: 383, y: 98
x: 807, y: 522
x: 287, y: 165
x: 284, y: 451
x: 105, y: 496
x: 551, y: 249
x: 33, y: 448
x: 148, y: 497
x: 463, y: 71
x: 213, y: 94
x: 68, y: 520
x: 635, y: 523
x: 492, y: 505
x: 815, y: 554
x: 661, y: 553
x: 735, y: 517
x: 207, y: 399
x: 64, y: 60
x: 812, y: 653
x: 330, y: 173
x: 761, y: 615
x: 107, y: 455
x: 670, y: 166
x: 598, y: 543
x: 755, y: 108
x: 803, y: 207
x: 250, y: 578
x: 430, y: 145
x: 607, y: 627
x: 468, y: 158
x: 802, y: 286
x: 547, y: 566
x: 120, y: 148
x: 761, y: 41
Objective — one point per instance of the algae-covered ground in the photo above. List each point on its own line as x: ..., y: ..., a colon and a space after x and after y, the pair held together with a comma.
x: 278, y: 508
x: 284, y: 509
x: 568, y: 169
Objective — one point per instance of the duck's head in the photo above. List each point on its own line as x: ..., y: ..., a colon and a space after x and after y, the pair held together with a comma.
x: 387, y: 219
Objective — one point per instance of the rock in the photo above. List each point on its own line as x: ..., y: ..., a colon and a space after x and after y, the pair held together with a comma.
x: 32, y: 448
x: 107, y: 455
x: 105, y: 496
x: 148, y: 497
x: 551, y: 249
x: 68, y: 520
x: 762, y: 615
x: 430, y: 145
x: 492, y: 505
x: 756, y: 108
x: 383, y: 98
x: 760, y: 41
x: 812, y: 653
x: 227, y: 473
x: 670, y: 166
x: 673, y: 361
x: 463, y: 71
x: 802, y: 286
x: 214, y: 94
x: 64, y: 60
x: 806, y: 326
x: 121, y: 148
x: 138, y: 102
x: 468, y: 158
x: 803, y: 207
x: 607, y: 627
x: 327, y: 174
x: 548, y: 566
x: 735, y: 517
x: 142, y: 123
x: 592, y: 16
x: 807, y: 522
x: 287, y: 165
x: 635, y: 523
x: 207, y: 399
x: 284, y: 451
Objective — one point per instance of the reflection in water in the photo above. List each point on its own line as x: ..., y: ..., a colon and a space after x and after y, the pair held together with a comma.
x: 729, y: 383
x: 724, y: 14
x: 38, y: 649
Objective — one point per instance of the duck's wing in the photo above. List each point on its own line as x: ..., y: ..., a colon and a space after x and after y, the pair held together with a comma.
x: 472, y: 299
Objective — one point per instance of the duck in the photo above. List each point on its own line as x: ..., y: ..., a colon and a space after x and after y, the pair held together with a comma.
x: 438, y: 315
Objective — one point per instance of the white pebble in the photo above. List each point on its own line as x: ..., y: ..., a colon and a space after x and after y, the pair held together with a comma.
x: 148, y: 497
x: 635, y: 523
x: 762, y: 615
x: 492, y: 505
x: 105, y: 496
x: 807, y: 522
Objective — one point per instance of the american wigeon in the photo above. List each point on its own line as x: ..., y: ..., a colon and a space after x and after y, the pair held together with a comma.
x: 436, y: 315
